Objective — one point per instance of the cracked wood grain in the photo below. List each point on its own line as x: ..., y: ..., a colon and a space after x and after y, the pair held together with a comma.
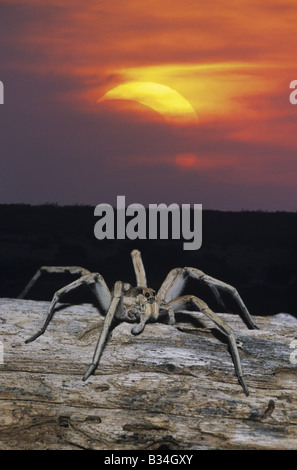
x: 173, y: 386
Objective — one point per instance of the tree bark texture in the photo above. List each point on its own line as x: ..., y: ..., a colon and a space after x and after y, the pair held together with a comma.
x: 171, y: 387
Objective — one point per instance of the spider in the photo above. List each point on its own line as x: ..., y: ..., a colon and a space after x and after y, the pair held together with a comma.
x: 142, y: 304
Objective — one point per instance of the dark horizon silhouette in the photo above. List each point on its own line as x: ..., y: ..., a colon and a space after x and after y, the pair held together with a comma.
x: 254, y: 251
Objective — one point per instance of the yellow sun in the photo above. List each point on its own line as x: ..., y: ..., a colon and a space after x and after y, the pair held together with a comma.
x: 161, y: 98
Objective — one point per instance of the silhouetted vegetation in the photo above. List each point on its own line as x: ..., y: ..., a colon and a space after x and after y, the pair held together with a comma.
x: 254, y: 251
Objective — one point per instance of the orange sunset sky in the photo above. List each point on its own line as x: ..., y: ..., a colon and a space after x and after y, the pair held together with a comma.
x: 209, y: 122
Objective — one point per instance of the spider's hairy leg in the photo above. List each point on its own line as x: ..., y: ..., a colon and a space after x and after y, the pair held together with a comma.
x: 172, y: 285
x: 97, y: 284
x: 220, y: 285
x: 170, y: 315
x: 139, y: 268
x: 149, y: 312
x: 116, y: 298
x: 177, y: 278
x: 184, y: 302
x: 52, y: 270
x: 167, y: 310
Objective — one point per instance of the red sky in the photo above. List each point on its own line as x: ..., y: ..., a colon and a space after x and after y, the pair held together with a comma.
x: 232, y: 61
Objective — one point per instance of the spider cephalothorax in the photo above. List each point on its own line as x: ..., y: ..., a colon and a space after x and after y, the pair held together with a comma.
x: 141, y: 304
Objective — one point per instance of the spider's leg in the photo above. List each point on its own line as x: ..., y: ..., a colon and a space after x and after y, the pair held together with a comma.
x: 97, y: 284
x: 177, y: 278
x: 192, y: 301
x: 149, y: 311
x: 117, y: 295
x: 52, y: 269
x: 172, y: 286
x: 220, y: 285
x: 168, y: 311
x: 139, y: 268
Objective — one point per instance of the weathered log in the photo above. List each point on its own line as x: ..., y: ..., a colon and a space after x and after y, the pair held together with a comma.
x: 172, y: 387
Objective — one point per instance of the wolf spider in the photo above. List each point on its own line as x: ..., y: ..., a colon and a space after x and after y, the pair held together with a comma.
x: 142, y: 304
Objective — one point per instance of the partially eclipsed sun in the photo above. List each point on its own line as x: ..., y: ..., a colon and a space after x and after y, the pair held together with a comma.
x: 161, y: 98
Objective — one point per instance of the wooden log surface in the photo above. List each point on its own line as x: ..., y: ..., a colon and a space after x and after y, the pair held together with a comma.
x: 172, y: 387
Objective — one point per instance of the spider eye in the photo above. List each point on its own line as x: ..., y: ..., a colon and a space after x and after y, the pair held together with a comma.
x: 147, y: 294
